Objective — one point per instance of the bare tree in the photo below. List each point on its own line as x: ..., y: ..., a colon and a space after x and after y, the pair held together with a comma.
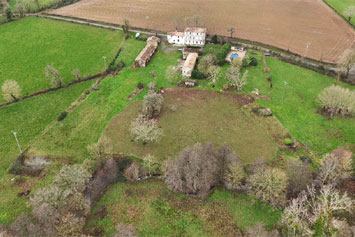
x: 11, y: 91
x: 145, y: 130
x: 269, y: 184
x: 347, y: 60
x: 195, y: 171
x: 172, y: 75
x: 126, y: 26
x: 53, y: 75
x: 312, y: 208
x: 20, y: 8
x: 231, y: 30
x: 152, y: 104
x: 349, y: 12
x: 206, y: 62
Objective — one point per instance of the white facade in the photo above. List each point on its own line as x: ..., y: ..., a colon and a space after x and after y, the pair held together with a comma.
x: 191, y: 37
x: 176, y: 38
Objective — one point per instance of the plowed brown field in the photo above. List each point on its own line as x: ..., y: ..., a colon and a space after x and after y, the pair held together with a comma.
x: 286, y: 24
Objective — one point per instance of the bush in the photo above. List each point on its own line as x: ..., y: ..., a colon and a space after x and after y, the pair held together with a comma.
x: 253, y: 62
x: 195, y: 171
x: 335, y: 168
x: 134, y: 172
x: 337, y: 100
x: 152, y: 104
x: 268, y: 184
x: 112, y: 67
x: 140, y: 85
x: 288, y: 142
x: 11, y: 91
x: 214, y: 39
x: 196, y: 74
x: 145, y: 130
x: 62, y: 116
x: 152, y: 165
x: 8, y: 14
x: 222, y: 54
x: 74, y: 177
x: 232, y: 170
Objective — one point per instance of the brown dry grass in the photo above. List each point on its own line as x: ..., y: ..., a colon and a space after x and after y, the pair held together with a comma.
x: 287, y: 24
x: 200, y: 116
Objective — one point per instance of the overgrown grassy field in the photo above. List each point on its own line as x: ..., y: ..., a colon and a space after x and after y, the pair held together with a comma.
x: 28, y: 118
x: 41, y: 42
x: 341, y: 5
x: 156, y: 211
x: 193, y: 116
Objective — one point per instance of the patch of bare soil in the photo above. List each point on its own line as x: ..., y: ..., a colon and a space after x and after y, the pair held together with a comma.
x: 195, y: 94
x: 306, y: 27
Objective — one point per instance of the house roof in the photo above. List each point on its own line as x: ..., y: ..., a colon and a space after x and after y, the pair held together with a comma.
x: 196, y: 30
x: 190, y: 61
x: 176, y: 33
x: 146, y: 53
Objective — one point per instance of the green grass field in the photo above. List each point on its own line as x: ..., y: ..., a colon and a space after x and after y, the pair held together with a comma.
x: 40, y: 42
x: 154, y: 210
x: 341, y: 5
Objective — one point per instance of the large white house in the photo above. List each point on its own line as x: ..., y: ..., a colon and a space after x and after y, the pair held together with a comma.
x: 193, y: 36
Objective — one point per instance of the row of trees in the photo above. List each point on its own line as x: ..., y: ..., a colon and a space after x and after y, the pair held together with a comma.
x: 145, y: 127
x: 11, y: 91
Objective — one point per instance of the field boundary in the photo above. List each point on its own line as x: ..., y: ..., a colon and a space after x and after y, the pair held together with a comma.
x: 339, y: 14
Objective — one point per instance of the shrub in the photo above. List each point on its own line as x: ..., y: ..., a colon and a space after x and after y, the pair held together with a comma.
x: 74, y: 177
x: 246, y: 61
x: 214, y: 39
x: 196, y: 74
x: 152, y: 104
x: 334, y: 169
x: 259, y: 231
x: 152, y: 165
x: 253, y: 62
x: 288, y: 141
x: 337, y: 100
x: 11, y: 91
x: 134, y: 172
x: 145, y: 130
x: 62, y: 116
x: 232, y: 170
x: 312, y: 213
x: 120, y: 65
x: 140, y: 85
x: 195, y: 171
x: 8, y: 14
x: 268, y: 184
x: 71, y: 225
x: 76, y: 74
x: 222, y: 53
x: 206, y: 62
x: 53, y: 75
x: 112, y: 67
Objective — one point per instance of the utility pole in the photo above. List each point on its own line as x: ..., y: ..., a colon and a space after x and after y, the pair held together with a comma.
x: 18, y: 144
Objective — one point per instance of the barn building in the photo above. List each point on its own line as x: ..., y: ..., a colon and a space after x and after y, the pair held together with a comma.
x: 147, y: 53
x: 189, y: 65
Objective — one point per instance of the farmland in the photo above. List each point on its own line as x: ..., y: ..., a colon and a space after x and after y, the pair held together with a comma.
x: 290, y: 25
x: 66, y: 46
x: 189, y: 115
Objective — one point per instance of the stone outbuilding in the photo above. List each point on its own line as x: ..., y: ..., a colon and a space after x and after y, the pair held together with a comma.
x: 189, y: 65
x: 147, y: 53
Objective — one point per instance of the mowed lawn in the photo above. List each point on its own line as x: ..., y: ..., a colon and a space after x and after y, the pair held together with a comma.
x: 341, y: 5
x: 194, y: 116
x: 154, y: 210
x: 296, y: 106
x: 29, y: 45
